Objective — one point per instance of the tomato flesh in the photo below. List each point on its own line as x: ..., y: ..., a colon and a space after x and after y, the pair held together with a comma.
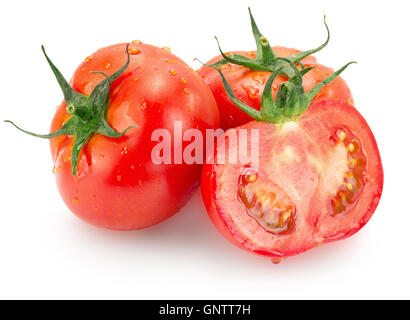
x: 266, y: 202
x: 319, y: 179
x: 117, y: 185
x: 248, y: 85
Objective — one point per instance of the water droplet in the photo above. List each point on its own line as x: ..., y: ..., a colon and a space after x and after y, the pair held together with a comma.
x: 172, y: 72
x: 186, y: 90
x: 143, y: 105
x: 183, y: 80
x: 108, y: 66
x: 259, y: 78
x: 88, y: 59
x: 75, y: 200
x: 124, y: 151
x: 134, y: 51
x: 137, y: 42
x: 165, y: 49
x: 251, y: 91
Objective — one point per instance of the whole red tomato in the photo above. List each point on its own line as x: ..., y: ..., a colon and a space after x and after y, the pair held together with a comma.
x: 318, y: 175
x: 116, y: 185
x: 248, y: 77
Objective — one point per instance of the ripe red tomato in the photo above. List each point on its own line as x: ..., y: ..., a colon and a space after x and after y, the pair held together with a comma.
x: 248, y: 84
x: 319, y: 179
x: 117, y: 185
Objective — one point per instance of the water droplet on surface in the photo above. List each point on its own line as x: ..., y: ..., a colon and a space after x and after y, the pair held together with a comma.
x: 107, y: 66
x: 183, y: 80
x: 124, y: 151
x: 186, y: 90
x: 251, y: 91
x: 136, y: 42
x: 75, y: 200
x: 276, y: 260
x: 172, y: 72
x: 166, y: 49
x: 134, y: 51
x: 88, y: 59
x: 259, y: 78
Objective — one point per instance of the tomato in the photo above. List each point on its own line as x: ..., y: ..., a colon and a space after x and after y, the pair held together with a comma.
x: 314, y: 174
x: 319, y: 179
x: 248, y: 82
x: 117, y: 185
x: 248, y: 85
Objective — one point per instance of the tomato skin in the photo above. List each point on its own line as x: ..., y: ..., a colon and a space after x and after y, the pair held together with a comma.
x: 117, y: 185
x: 248, y: 85
x: 307, y: 175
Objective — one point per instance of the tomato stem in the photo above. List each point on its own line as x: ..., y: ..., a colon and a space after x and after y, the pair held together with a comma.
x: 88, y: 114
x: 291, y: 99
x: 265, y: 56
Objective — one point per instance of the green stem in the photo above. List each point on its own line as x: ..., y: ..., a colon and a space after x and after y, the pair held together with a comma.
x: 84, y: 113
x: 88, y: 114
x: 265, y: 56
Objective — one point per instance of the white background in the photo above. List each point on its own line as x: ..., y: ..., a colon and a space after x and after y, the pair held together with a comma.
x: 46, y: 252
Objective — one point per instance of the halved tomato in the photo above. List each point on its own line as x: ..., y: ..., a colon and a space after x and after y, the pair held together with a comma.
x: 319, y: 178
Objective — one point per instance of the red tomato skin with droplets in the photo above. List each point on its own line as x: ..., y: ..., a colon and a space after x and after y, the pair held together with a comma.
x: 117, y: 186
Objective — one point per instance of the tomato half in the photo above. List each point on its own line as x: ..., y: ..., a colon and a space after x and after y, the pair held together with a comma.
x: 117, y: 185
x: 319, y: 179
x: 248, y: 84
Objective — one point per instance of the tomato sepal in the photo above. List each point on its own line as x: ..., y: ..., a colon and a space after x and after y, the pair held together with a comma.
x: 265, y: 56
x: 88, y: 114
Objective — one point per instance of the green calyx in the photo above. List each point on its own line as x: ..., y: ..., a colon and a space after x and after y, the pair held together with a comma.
x: 291, y: 99
x: 265, y: 57
x: 88, y: 114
